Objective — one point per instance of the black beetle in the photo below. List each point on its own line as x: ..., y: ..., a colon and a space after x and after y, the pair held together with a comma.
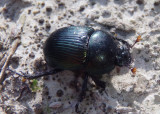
x: 82, y: 48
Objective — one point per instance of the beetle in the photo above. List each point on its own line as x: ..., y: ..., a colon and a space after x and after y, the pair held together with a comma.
x: 94, y: 52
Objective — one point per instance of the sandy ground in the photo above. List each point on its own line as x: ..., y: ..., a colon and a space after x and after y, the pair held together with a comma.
x: 124, y: 93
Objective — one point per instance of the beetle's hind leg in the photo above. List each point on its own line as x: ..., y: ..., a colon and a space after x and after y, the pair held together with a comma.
x: 83, y: 91
x: 36, y: 75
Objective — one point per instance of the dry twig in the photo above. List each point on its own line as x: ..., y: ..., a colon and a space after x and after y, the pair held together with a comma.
x: 3, y: 60
x: 11, y: 52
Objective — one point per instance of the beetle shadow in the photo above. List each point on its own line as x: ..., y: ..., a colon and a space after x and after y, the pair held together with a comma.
x: 13, y: 8
x: 123, y: 97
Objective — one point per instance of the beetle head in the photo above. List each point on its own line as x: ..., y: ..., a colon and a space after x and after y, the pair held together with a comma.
x: 123, y: 55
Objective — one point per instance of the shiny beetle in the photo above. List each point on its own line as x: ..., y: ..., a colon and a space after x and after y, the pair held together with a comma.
x: 93, y: 52
x: 83, y: 48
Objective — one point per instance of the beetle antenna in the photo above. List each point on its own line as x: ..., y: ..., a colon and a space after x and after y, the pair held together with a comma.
x: 133, y: 69
x: 137, y: 40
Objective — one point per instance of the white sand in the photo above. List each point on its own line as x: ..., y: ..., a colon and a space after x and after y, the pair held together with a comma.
x: 124, y: 93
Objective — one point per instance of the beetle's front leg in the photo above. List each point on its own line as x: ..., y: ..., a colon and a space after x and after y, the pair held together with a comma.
x: 36, y: 75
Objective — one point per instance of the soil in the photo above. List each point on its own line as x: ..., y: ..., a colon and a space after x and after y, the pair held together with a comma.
x: 34, y: 20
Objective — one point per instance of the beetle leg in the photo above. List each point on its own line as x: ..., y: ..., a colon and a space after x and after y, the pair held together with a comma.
x: 99, y: 82
x: 36, y: 75
x: 84, y: 88
x: 83, y: 91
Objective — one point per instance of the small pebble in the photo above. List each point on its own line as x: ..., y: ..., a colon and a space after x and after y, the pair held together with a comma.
x: 48, y: 9
x: 81, y: 9
x: 36, y: 12
x: 59, y: 93
x: 31, y: 55
x: 41, y: 21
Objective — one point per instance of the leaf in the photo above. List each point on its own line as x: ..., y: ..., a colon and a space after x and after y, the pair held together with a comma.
x: 34, y: 85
